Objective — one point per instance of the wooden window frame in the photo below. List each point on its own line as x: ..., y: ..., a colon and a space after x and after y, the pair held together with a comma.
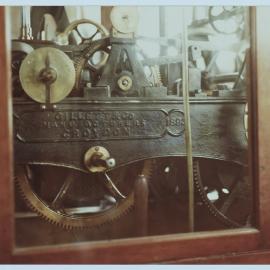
x: 198, y: 247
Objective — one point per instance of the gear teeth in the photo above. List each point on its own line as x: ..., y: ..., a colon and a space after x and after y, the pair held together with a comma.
x: 80, y: 61
x: 162, y: 76
x: 78, y: 65
x: 211, y: 208
x: 25, y: 198
x: 158, y: 76
x: 23, y: 186
x: 155, y: 78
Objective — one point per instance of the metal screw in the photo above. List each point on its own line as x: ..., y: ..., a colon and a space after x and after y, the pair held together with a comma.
x: 110, y: 162
x: 125, y: 82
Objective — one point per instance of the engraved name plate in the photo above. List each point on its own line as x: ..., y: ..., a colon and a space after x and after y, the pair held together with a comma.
x: 82, y: 125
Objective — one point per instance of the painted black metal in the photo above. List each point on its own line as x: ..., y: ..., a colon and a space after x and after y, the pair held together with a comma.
x: 130, y: 129
x: 131, y: 126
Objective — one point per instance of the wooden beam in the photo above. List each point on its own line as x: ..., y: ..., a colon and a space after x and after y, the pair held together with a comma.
x: 143, y: 250
x: 263, y: 112
x: 6, y: 154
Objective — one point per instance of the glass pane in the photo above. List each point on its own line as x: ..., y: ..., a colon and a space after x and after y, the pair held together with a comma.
x: 101, y: 117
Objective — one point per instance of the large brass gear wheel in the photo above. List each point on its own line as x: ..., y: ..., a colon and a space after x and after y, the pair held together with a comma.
x: 74, y: 30
x: 72, y: 216
x: 84, y: 61
x: 48, y: 61
x: 76, y: 27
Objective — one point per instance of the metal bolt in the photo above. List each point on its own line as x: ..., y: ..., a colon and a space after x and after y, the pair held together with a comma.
x: 125, y: 82
x: 110, y: 162
x: 48, y: 75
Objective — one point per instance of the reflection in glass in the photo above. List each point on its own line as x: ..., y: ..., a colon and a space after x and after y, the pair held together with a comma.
x: 99, y: 122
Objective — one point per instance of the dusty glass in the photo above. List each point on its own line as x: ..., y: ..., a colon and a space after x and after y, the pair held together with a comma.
x: 132, y: 128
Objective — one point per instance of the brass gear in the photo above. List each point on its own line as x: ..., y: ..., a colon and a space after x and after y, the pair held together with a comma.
x: 158, y: 81
x: 81, y: 61
x: 54, y: 62
x: 60, y: 217
x: 154, y: 77
x: 101, y: 45
x: 63, y: 38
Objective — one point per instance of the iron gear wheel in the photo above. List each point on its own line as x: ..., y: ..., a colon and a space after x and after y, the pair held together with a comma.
x: 63, y: 216
x: 228, y: 197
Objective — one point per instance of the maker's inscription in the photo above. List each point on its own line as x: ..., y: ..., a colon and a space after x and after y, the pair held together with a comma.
x: 55, y: 126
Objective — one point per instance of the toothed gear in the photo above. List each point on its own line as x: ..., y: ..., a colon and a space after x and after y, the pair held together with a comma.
x: 72, y: 221
x: 82, y: 62
x: 63, y: 38
x: 155, y: 77
x: 162, y: 76
x: 226, y: 220
x: 159, y: 81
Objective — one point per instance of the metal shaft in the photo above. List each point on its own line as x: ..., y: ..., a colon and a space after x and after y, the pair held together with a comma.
x: 188, y: 139
x: 26, y: 29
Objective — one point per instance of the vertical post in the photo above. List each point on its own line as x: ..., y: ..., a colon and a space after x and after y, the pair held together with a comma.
x: 141, y: 205
x: 163, y: 49
x: 6, y: 150
x: 261, y: 66
x: 188, y: 138
x: 162, y: 28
